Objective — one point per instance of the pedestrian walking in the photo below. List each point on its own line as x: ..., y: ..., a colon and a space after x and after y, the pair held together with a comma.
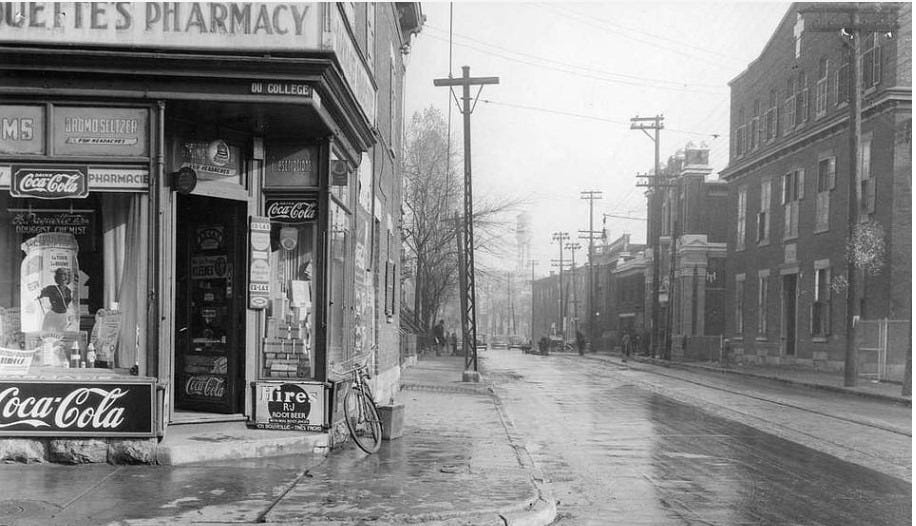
x: 454, y: 341
x: 625, y: 344
x: 439, y: 337
x: 580, y: 342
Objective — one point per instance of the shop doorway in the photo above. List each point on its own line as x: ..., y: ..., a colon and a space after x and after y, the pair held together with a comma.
x: 210, y: 311
x: 789, y: 311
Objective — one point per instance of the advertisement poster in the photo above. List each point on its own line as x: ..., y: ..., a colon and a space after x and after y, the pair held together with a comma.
x: 49, y: 290
x: 77, y: 409
x: 298, y: 406
x: 258, y: 262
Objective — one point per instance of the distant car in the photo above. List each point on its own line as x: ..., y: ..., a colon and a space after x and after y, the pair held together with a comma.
x: 517, y: 342
x: 499, y: 342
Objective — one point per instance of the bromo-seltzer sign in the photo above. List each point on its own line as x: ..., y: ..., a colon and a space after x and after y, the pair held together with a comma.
x: 234, y: 25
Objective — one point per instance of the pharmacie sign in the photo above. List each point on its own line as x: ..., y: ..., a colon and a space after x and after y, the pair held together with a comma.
x: 202, y: 25
x: 59, y: 408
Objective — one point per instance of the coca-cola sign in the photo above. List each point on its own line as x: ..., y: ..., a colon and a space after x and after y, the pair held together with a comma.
x: 50, y: 182
x: 91, y: 408
x: 292, y: 211
x: 205, y: 386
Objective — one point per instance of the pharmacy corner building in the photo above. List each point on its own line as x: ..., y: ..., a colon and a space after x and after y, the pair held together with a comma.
x: 198, y: 219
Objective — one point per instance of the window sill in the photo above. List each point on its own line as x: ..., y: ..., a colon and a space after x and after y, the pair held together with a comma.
x: 819, y: 339
x: 763, y: 243
x: 788, y: 239
x: 761, y: 339
x: 75, y: 375
x: 821, y: 230
x: 737, y: 338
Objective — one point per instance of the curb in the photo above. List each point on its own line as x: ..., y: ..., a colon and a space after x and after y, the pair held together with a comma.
x: 833, y: 388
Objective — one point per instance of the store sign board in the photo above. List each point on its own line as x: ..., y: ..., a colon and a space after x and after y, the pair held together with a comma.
x: 338, y: 40
x: 292, y: 211
x: 82, y: 130
x: 85, y: 408
x: 291, y: 166
x: 49, y: 181
x: 290, y: 406
x: 101, y: 178
x: 212, y: 160
x: 186, y: 25
x: 258, y: 262
x: 33, y: 221
x: 22, y: 129
x: 209, y: 267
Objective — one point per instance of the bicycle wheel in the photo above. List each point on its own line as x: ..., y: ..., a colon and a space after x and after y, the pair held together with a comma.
x: 362, y: 420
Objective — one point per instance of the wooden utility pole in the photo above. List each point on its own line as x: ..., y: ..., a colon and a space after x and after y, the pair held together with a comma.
x: 591, y: 195
x: 532, y: 263
x: 654, y: 232
x: 849, y: 21
x: 560, y: 237
x: 468, y: 311
x: 573, y: 247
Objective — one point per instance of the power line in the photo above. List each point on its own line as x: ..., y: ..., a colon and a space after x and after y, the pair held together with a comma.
x: 584, y: 116
x: 566, y: 64
x: 490, y: 52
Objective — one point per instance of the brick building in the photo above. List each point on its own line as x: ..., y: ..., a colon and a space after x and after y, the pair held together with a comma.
x: 787, y: 179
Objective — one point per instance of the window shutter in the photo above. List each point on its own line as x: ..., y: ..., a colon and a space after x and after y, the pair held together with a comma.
x: 877, y: 66
x: 832, y: 173
x: 783, y: 185
x: 801, y: 183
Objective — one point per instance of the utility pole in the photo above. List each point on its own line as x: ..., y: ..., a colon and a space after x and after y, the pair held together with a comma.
x: 560, y: 237
x: 591, y: 195
x: 850, y: 21
x: 573, y: 247
x: 653, y: 230
x: 469, y: 311
x: 532, y: 263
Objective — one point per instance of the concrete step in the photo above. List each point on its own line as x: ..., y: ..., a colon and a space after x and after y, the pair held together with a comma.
x: 204, y: 442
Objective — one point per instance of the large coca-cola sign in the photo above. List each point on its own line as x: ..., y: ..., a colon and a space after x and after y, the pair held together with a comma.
x: 292, y: 211
x: 50, y: 182
x: 80, y: 409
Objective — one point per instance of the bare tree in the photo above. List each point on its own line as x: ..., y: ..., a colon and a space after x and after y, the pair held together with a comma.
x: 432, y: 199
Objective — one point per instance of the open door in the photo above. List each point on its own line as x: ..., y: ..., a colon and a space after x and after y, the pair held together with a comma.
x: 210, y: 308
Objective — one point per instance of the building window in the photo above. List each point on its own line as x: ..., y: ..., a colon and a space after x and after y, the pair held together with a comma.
x: 826, y: 181
x: 755, y: 127
x: 801, y: 98
x: 740, y: 136
x: 821, y: 90
x: 772, y: 115
x: 842, y: 82
x: 790, y: 104
x: 793, y: 190
x: 739, y: 305
x: 821, y: 307
x: 742, y: 219
x: 866, y: 181
x: 763, y: 217
x: 871, y: 61
x: 763, y: 280
x: 370, y: 34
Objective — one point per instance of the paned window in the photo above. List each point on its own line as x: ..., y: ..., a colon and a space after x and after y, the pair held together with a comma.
x: 821, y: 95
x: 793, y: 190
x: 866, y: 181
x: 871, y: 61
x: 739, y: 305
x: 772, y: 123
x: 762, y: 288
x: 741, y: 233
x: 763, y: 217
x: 790, y: 104
x: 842, y: 82
x: 826, y: 181
x: 821, y: 306
x: 755, y: 127
x: 801, y: 99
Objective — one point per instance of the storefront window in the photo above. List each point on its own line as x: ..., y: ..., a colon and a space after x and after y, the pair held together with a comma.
x: 289, y: 343
x: 73, y: 279
x: 338, y: 321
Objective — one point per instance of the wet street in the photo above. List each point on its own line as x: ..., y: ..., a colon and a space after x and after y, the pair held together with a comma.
x: 617, y: 452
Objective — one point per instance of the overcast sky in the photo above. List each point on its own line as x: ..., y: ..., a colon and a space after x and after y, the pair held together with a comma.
x: 571, y: 76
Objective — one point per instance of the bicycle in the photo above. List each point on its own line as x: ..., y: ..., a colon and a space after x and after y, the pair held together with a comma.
x: 360, y: 412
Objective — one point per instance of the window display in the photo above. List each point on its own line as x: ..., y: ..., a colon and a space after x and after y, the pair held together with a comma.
x: 289, y: 337
x: 70, y: 280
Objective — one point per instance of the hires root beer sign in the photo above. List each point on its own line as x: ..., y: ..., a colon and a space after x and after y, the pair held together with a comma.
x: 77, y: 409
x: 50, y: 182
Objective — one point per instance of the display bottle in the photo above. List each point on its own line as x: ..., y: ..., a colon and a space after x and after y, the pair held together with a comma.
x: 75, y: 355
x: 90, y: 355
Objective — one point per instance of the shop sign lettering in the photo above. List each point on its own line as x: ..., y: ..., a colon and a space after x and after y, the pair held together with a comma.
x: 239, y: 25
x: 205, y: 386
x: 22, y: 129
x: 258, y: 262
x: 58, y: 408
x: 294, y: 89
x: 209, y: 267
x: 291, y: 166
x: 49, y: 182
x: 35, y: 221
x: 292, y: 211
x: 290, y: 406
x: 100, y: 131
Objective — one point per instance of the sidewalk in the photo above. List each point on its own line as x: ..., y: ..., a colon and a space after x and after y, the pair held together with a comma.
x: 797, y: 375
x: 459, y: 462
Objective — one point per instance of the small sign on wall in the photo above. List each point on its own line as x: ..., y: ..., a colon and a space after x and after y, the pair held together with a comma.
x: 291, y: 166
x: 290, y: 406
x: 258, y: 262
